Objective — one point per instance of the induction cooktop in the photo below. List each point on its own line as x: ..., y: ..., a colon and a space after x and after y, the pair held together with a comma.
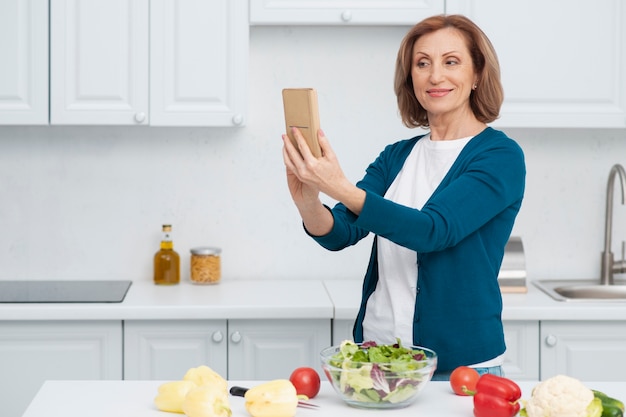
x: 112, y: 291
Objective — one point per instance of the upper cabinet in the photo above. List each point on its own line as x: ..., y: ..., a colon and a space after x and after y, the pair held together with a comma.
x: 198, y: 62
x: 99, y: 72
x: 24, y: 62
x: 185, y: 62
x: 342, y: 12
x: 563, y: 62
x: 126, y: 62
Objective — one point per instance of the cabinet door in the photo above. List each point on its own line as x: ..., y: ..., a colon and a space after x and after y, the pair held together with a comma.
x: 272, y: 349
x: 199, y: 62
x: 341, y: 12
x: 587, y: 350
x: 342, y: 330
x: 563, y: 62
x: 521, y: 360
x: 24, y: 62
x: 166, y: 349
x: 99, y: 62
x: 32, y: 352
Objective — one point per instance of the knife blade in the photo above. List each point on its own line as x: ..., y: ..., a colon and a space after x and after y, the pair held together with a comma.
x: 241, y: 391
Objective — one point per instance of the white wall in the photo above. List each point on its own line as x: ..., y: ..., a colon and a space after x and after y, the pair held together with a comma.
x: 88, y: 202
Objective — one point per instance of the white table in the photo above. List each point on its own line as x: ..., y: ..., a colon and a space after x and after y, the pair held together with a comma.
x: 135, y: 399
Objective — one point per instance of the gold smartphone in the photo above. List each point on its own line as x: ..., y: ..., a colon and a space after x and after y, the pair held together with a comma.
x: 301, y: 111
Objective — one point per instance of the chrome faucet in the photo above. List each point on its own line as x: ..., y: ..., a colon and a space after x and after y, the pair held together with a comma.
x: 609, y: 266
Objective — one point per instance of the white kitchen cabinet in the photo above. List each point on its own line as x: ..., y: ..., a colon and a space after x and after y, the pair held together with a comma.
x: 521, y: 360
x: 563, y: 62
x: 148, y: 62
x: 342, y: 12
x: 587, y: 350
x: 198, y: 62
x: 342, y: 330
x: 99, y: 51
x: 32, y: 352
x: 272, y: 349
x: 236, y: 349
x: 165, y: 350
x: 24, y: 58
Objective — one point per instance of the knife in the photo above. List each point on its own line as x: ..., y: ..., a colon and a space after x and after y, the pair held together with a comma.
x: 241, y: 391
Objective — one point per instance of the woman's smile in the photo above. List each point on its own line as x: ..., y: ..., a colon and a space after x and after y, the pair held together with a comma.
x: 438, y: 92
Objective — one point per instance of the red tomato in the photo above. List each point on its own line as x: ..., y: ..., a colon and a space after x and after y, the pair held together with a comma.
x: 463, y: 380
x: 306, y: 380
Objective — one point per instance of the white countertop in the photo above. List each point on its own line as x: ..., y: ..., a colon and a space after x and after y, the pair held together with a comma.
x: 136, y: 399
x: 275, y: 299
x: 533, y: 305
x: 233, y: 299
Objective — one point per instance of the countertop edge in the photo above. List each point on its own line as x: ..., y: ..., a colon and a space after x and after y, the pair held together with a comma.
x: 337, y: 299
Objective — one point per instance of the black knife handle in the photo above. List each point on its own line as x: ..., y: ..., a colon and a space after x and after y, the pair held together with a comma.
x: 238, y: 391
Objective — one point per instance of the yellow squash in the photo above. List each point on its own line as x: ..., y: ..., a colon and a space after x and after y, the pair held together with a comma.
x: 276, y: 398
x: 203, y: 375
x: 207, y: 401
x: 170, y: 395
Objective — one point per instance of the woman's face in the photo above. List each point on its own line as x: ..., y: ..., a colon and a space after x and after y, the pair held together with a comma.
x: 443, y: 73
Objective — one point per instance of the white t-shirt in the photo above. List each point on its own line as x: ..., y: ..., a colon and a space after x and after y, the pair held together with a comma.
x: 390, y: 309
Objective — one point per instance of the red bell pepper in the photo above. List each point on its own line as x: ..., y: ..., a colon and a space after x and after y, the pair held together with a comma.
x: 496, y: 396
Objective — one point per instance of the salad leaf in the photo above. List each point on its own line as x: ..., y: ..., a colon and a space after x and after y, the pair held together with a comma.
x: 357, y: 381
x: 403, y: 393
x: 378, y: 373
x: 379, y: 381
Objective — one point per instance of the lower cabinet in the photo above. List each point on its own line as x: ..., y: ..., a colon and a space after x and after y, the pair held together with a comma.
x: 521, y: 360
x: 587, y: 350
x: 165, y: 350
x: 272, y: 349
x: 236, y: 349
x: 342, y: 330
x: 32, y: 352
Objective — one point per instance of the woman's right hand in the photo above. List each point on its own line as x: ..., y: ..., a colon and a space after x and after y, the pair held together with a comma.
x: 303, y: 194
x: 317, y: 219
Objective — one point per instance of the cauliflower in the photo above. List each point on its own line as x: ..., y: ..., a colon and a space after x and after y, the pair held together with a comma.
x: 562, y: 396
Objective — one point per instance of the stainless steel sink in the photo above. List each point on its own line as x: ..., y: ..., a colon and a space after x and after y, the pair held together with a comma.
x: 606, y: 287
x: 583, y: 290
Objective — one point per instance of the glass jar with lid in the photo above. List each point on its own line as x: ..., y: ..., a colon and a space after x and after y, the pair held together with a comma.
x: 205, y: 265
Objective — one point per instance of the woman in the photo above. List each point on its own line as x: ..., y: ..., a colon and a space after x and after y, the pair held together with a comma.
x: 441, y: 205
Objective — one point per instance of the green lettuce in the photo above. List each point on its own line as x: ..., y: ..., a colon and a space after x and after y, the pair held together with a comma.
x: 378, y: 373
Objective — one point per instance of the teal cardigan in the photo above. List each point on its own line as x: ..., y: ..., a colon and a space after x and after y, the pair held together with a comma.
x: 458, y: 236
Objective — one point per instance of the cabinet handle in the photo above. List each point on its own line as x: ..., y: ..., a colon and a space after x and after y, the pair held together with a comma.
x: 235, y: 337
x: 140, y: 117
x: 237, y: 119
x: 217, y: 336
x: 346, y: 15
x: 551, y: 340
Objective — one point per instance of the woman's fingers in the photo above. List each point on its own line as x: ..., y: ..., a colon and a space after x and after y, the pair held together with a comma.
x: 327, y: 150
x: 303, y: 146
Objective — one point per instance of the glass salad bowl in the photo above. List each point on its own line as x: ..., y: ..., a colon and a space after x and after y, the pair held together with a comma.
x: 384, y: 376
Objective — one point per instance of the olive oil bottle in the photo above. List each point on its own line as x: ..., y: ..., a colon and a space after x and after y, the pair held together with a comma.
x: 166, y: 260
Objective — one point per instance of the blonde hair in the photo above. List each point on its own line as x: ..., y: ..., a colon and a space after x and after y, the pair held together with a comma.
x: 485, y: 100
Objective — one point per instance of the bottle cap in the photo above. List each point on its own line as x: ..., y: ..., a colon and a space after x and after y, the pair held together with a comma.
x: 205, y: 250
